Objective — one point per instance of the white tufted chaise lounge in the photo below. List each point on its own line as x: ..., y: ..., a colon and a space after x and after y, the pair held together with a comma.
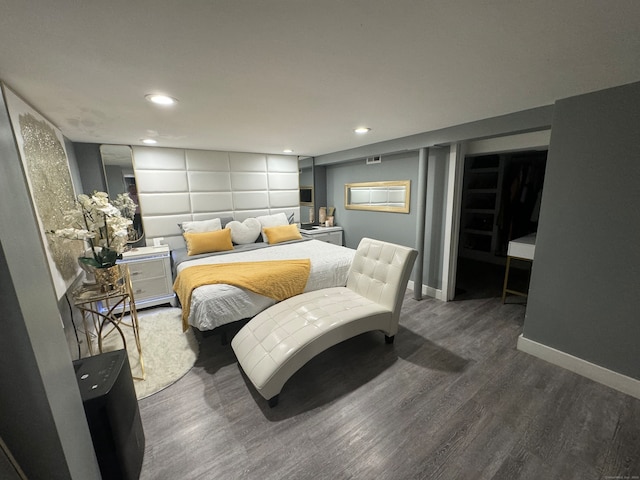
x: 281, y: 339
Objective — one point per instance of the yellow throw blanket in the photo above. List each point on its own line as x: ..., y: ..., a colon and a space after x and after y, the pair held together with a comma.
x: 277, y: 279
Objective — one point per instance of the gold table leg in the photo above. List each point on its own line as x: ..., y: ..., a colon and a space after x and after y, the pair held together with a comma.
x: 506, y: 290
x: 108, y: 309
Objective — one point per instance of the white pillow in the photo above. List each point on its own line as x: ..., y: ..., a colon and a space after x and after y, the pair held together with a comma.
x: 201, y: 226
x: 273, y: 220
x: 245, y: 232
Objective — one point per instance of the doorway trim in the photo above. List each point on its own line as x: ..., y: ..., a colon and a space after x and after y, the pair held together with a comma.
x: 455, y: 176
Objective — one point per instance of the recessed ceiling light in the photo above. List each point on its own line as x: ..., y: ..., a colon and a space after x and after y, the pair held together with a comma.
x: 160, y: 99
x: 362, y: 130
x: 149, y: 141
x: 287, y: 150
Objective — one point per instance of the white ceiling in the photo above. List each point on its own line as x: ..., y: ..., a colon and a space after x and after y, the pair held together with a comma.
x: 257, y: 75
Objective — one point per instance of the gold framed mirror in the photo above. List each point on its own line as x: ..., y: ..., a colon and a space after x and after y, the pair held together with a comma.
x: 117, y: 164
x: 386, y: 196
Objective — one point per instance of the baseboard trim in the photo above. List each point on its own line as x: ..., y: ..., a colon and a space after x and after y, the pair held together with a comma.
x: 594, y: 372
x: 428, y: 291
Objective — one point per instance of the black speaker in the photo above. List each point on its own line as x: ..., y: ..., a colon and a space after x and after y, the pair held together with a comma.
x: 111, y: 406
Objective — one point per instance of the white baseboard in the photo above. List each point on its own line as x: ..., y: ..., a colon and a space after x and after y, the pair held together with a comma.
x: 428, y: 291
x: 594, y: 372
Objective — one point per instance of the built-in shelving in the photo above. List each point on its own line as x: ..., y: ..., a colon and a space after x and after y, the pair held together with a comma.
x: 480, y: 205
x: 501, y: 194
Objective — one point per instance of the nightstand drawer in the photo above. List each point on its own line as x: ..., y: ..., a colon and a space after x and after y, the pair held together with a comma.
x: 150, y: 273
x: 324, y: 234
x: 149, y: 287
x: 334, y: 237
x: 148, y: 269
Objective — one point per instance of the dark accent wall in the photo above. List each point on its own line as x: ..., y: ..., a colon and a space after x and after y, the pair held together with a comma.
x: 90, y: 167
x: 584, y: 297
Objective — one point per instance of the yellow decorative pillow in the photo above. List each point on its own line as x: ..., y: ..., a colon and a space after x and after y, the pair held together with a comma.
x: 282, y: 233
x: 207, y: 242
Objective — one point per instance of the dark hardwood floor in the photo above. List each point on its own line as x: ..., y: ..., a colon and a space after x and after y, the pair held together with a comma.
x: 452, y: 398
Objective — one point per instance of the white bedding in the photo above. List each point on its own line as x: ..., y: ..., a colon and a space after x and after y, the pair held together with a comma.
x: 216, y: 305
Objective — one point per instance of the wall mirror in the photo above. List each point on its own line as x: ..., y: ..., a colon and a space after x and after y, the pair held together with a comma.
x: 389, y: 196
x: 117, y: 162
x: 306, y: 184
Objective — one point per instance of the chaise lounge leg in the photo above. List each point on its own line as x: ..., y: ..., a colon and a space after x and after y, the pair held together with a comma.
x: 273, y: 401
x: 389, y: 339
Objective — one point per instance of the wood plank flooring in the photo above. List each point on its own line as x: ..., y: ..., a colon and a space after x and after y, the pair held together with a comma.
x: 452, y: 398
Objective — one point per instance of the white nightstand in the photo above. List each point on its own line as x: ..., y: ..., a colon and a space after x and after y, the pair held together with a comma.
x: 150, y: 270
x: 326, y: 234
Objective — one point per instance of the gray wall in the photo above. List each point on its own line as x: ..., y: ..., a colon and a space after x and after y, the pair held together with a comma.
x: 584, y: 297
x: 400, y: 159
x: 437, y: 177
x: 392, y: 227
x: 396, y: 227
x: 115, y: 180
x: 90, y: 167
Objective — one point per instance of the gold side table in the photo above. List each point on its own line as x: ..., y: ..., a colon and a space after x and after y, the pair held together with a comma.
x: 104, y: 311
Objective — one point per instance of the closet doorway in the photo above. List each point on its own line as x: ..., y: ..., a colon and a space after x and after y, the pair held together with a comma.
x: 501, y: 198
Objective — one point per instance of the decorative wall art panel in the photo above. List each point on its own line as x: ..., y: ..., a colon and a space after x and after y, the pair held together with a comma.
x: 42, y: 150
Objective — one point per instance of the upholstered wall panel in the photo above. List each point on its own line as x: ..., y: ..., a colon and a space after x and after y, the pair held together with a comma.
x: 247, y: 162
x: 277, y: 163
x: 159, y: 159
x: 283, y: 181
x: 250, y: 200
x: 181, y: 185
x: 209, y: 215
x: 207, y: 160
x: 165, y: 204
x: 242, y: 215
x: 247, y: 181
x: 283, y: 199
x: 164, y: 226
x: 211, y: 202
x: 154, y: 181
x: 202, y: 181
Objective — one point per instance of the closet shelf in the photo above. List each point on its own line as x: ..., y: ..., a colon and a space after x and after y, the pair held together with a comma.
x: 485, y: 170
x: 489, y: 211
x: 500, y: 201
x: 482, y: 190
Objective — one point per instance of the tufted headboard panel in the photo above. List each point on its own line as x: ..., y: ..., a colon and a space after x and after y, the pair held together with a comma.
x: 176, y: 185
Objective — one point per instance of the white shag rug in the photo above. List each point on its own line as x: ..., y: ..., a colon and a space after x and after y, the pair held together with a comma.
x: 168, y: 353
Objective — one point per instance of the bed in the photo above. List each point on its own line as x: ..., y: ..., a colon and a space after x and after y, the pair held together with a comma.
x: 214, y: 306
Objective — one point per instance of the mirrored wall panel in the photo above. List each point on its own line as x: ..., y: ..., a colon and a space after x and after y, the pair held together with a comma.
x: 307, y: 197
x: 387, y: 196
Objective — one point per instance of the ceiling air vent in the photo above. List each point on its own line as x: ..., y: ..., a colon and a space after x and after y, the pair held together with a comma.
x: 372, y: 160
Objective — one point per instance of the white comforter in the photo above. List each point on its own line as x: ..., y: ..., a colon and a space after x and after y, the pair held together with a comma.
x: 215, y: 305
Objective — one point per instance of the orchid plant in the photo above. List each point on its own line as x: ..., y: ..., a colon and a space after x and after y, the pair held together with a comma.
x: 99, y: 223
x: 126, y: 205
